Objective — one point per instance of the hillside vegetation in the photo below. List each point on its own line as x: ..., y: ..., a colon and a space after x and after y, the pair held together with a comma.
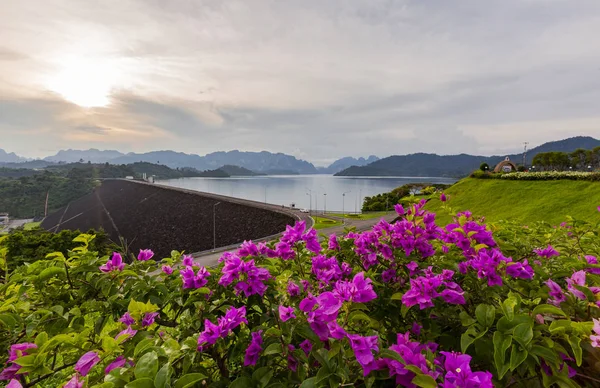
x: 522, y: 201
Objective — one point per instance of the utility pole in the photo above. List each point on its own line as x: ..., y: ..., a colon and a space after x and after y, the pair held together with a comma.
x: 325, y: 206
x: 343, y: 213
x: 525, y: 143
x: 310, y: 199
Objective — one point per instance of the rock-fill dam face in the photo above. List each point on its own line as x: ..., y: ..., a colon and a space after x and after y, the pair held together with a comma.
x: 164, y: 218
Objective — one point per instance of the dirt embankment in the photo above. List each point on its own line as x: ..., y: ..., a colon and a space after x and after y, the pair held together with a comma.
x: 163, y: 219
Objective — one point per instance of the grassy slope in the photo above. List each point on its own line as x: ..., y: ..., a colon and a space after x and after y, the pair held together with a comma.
x: 523, y: 201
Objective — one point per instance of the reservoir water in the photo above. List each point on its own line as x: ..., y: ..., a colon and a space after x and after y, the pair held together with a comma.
x: 317, y: 192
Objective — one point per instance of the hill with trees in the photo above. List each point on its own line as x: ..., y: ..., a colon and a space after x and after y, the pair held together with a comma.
x: 421, y: 164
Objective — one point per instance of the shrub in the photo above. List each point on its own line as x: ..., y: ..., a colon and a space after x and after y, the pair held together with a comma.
x: 484, y: 167
x: 410, y: 302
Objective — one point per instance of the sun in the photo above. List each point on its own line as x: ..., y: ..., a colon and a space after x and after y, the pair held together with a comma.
x: 86, y: 82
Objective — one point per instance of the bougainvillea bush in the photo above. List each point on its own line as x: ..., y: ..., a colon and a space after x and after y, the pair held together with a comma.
x: 410, y: 303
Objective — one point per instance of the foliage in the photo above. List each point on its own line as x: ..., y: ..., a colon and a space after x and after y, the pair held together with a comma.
x: 580, y: 159
x: 397, y: 303
x: 28, y: 246
x: 484, y: 167
x: 539, y: 175
x: 386, y: 201
x: 525, y: 202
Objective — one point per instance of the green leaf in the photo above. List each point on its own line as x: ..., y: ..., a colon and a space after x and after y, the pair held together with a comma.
x: 548, y: 309
x: 262, y: 376
x: 323, y: 374
x: 240, y: 382
x: 41, y: 339
x: 51, y: 272
x: 560, y: 326
x: 387, y: 353
x: 274, y: 348
x: 309, y: 383
x: 162, y: 377
x: 142, y: 346
x: 335, y: 349
x: 424, y: 381
x: 190, y: 379
x: 145, y: 382
x: 470, y: 336
x: 508, y: 308
x: 465, y: 319
x: 397, y: 296
x: 575, y: 341
x: 501, y: 344
x: 109, y: 344
x: 273, y: 332
x: 26, y: 360
x: 517, y: 356
x: 147, y: 366
x: 523, y: 334
x: 547, y: 354
x: 404, y: 310
x: 486, y: 315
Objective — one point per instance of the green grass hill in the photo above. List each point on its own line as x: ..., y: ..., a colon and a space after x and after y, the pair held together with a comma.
x: 522, y: 201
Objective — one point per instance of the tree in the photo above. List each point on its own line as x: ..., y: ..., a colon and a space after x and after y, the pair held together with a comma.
x: 484, y: 167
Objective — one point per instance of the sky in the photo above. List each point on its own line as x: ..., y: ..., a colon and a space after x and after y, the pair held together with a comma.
x: 315, y: 79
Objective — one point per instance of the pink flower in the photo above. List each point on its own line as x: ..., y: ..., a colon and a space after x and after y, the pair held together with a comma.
x: 87, y: 362
x: 306, y: 346
x: 74, y: 382
x: 596, y: 337
x: 145, y: 255
x: 443, y: 197
x: 286, y: 313
x: 167, y: 269
x: 119, y: 362
x: 148, y: 319
x: 126, y: 334
x: 127, y: 319
x: 293, y: 289
x: 19, y: 350
x: 114, y: 264
x: 14, y: 384
x: 254, y: 349
x: 188, y: 261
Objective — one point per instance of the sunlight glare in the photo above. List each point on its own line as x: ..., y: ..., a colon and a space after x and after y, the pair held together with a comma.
x: 87, y: 82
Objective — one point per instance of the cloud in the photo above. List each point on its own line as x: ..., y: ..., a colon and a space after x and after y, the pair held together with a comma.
x: 318, y: 79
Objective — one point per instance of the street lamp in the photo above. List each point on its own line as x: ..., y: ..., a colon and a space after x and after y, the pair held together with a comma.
x: 590, y: 168
x: 325, y: 200
x: 310, y: 199
x: 343, y: 213
x: 215, y: 225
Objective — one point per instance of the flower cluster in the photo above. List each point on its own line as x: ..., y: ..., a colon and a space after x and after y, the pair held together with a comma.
x: 233, y: 318
x: 254, y: 349
x: 250, y: 278
x: 194, y: 280
x: 15, y: 351
x: 424, y: 289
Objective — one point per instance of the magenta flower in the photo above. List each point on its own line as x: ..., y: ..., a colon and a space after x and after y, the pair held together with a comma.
x: 148, y: 319
x: 19, y: 350
x: 192, y: 280
x: 167, y: 269
x: 333, y: 243
x: 248, y: 248
x: 362, y: 291
x: 595, y: 338
x: 399, y: 209
x: 577, y: 279
x: 254, y: 280
x: 363, y: 348
x: 127, y: 319
x: 188, y: 261
x: 416, y: 328
x: 145, y: 255
x: 126, y: 334
x: 547, y: 252
x: 233, y: 318
x: 254, y: 349
x: 520, y: 270
x: 119, y: 362
x: 312, y: 241
x: 292, y: 362
x: 74, y: 382
x: 389, y: 275
x: 556, y: 295
x: 87, y: 362
x: 443, y: 197
x: 209, y: 336
x: 115, y: 263
x: 286, y: 313
x: 9, y: 372
x: 306, y: 346
x: 326, y: 269
x: 293, y: 289
x: 459, y: 374
x: 14, y: 384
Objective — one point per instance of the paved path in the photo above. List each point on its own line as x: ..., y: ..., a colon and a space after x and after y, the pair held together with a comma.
x: 210, y: 259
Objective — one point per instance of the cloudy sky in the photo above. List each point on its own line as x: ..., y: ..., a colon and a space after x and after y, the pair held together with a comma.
x: 316, y: 79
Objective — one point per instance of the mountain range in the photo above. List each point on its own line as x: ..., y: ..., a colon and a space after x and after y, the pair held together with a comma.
x: 418, y: 164
x: 432, y: 165
x: 258, y: 162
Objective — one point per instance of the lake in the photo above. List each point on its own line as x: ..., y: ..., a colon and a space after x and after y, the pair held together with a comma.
x: 321, y: 192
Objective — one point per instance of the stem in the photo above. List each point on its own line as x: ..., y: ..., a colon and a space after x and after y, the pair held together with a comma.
x: 34, y: 382
x: 588, y: 377
x: 68, y: 277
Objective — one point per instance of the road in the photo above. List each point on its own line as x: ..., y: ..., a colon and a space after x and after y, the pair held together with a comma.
x: 210, y: 259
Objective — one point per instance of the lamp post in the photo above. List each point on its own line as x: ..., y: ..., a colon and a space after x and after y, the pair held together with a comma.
x: 589, y: 168
x: 325, y: 200
x: 215, y: 225
x: 343, y: 213
x: 310, y: 199
x: 265, y: 194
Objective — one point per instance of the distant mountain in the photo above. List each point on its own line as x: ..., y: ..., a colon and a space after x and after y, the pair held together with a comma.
x: 169, y: 158
x: 344, y: 163
x: 5, y: 157
x: 92, y: 155
x: 238, y: 171
x: 422, y: 164
x: 32, y: 164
